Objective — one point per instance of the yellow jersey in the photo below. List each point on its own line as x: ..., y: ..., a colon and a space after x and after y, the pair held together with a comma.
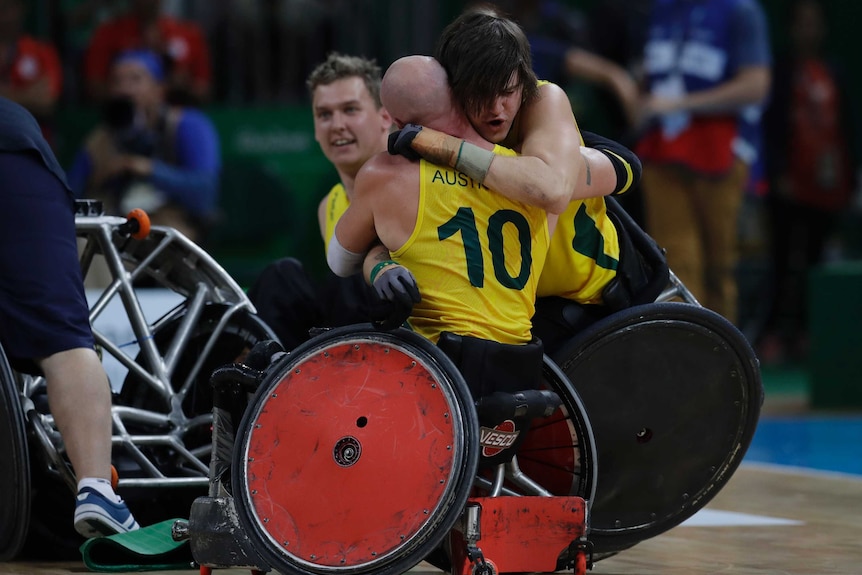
x: 336, y: 204
x: 476, y: 256
x: 584, y: 253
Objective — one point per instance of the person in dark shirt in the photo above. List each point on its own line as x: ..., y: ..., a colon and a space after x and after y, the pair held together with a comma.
x: 44, y: 317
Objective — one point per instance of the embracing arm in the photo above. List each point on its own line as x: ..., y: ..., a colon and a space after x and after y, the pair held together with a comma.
x: 543, y: 175
x: 609, y: 168
x: 549, y: 163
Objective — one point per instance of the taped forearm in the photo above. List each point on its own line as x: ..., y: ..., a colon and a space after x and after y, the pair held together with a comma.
x: 376, y: 255
x: 443, y: 149
x: 437, y: 147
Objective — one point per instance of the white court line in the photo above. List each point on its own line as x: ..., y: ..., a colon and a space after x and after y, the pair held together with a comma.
x: 796, y: 470
x: 715, y: 518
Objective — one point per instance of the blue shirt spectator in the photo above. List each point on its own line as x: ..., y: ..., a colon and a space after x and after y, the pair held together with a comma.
x: 145, y: 154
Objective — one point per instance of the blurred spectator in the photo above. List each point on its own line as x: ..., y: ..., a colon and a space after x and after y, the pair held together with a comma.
x: 811, y: 168
x: 150, y: 155
x: 705, y: 62
x: 599, y: 50
x: 181, y: 43
x: 273, y: 45
x: 30, y: 70
x: 561, y: 41
x: 78, y: 20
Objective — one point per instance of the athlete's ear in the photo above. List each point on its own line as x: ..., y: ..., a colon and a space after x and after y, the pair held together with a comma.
x: 388, y: 120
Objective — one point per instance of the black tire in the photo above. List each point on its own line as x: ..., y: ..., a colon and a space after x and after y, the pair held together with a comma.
x: 673, y: 393
x: 15, y: 477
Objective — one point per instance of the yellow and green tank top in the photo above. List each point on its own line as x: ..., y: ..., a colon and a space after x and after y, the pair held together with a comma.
x: 476, y: 256
x: 336, y: 204
x: 584, y: 252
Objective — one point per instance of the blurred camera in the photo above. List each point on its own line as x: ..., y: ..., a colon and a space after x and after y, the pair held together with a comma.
x: 121, y: 118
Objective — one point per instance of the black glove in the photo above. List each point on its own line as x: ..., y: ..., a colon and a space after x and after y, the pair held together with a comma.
x: 396, y: 283
x: 617, y: 151
x: 400, y: 140
x: 396, y: 291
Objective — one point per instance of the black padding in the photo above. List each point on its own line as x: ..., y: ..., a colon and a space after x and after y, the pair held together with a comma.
x: 673, y: 394
x: 643, y: 271
x: 488, y: 366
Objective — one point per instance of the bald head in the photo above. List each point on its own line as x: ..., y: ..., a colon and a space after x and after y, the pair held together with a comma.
x: 415, y: 90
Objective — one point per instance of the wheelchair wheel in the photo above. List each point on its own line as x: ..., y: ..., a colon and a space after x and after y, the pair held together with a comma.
x: 673, y: 393
x: 238, y: 336
x: 15, y: 477
x: 559, y: 452
x: 356, y: 455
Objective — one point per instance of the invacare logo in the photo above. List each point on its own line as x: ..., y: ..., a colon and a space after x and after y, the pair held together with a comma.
x: 493, y: 441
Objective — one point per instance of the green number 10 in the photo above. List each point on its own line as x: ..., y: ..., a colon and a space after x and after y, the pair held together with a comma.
x: 465, y: 222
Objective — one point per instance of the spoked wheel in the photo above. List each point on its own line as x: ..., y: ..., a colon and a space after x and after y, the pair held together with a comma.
x: 356, y: 455
x: 206, y: 347
x: 559, y: 452
x: 15, y: 476
x: 673, y: 392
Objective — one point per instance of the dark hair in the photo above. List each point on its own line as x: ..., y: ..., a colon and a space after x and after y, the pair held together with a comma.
x: 339, y: 66
x: 480, y: 51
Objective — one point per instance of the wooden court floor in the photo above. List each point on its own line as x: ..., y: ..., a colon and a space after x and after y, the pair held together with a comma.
x: 768, y: 519
x: 782, y: 521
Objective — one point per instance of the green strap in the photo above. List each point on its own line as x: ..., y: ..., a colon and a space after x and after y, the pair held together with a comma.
x: 150, y: 548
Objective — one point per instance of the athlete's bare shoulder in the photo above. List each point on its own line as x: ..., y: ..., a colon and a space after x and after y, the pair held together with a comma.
x: 384, y: 174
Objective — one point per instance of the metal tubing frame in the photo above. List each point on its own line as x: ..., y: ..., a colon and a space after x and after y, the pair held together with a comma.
x: 201, y: 280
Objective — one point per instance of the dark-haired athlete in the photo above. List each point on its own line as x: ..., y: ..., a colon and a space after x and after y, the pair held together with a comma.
x: 487, y: 60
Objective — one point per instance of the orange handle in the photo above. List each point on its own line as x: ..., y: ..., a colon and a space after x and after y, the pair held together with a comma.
x: 143, y: 223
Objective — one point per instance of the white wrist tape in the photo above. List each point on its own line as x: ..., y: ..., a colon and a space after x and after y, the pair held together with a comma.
x: 474, y: 161
x: 342, y: 261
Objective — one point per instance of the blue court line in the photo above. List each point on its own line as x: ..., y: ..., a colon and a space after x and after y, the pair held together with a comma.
x: 823, y: 443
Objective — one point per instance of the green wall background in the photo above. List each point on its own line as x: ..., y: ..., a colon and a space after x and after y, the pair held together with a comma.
x: 274, y: 173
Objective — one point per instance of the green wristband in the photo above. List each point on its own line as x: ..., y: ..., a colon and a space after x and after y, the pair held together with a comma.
x: 474, y: 161
x: 376, y: 269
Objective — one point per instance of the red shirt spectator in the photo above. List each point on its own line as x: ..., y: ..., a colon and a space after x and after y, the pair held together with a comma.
x: 181, y: 43
x: 32, y: 63
x: 30, y: 70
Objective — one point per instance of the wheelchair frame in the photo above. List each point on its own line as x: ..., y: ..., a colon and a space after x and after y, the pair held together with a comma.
x: 224, y: 534
x: 161, y: 431
x: 232, y: 526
